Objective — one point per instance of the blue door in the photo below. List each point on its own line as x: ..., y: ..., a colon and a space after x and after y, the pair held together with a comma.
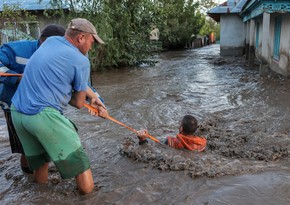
x: 257, y: 34
x: 277, y: 35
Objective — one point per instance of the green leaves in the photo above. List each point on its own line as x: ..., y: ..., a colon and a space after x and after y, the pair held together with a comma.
x: 125, y: 26
x: 178, y: 21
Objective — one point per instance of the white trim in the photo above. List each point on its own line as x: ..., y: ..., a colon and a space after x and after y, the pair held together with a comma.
x: 3, y: 69
x: 21, y: 60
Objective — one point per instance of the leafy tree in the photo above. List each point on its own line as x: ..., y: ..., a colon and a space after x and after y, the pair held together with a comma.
x: 205, y: 5
x: 178, y: 21
x: 129, y: 23
x: 210, y: 25
x: 125, y: 27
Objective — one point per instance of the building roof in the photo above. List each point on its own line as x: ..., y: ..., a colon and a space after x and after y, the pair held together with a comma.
x: 230, y: 6
x: 255, y: 8
x: 30, y: 5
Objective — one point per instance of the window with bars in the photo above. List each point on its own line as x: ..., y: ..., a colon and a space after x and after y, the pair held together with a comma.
x: 20, y: 30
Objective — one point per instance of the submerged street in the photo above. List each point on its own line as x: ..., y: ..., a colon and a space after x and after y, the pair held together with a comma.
x: 245, y: 118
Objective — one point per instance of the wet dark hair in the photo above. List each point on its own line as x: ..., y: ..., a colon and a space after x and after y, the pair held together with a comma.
x: 51, y: 30
x: 189, y: 124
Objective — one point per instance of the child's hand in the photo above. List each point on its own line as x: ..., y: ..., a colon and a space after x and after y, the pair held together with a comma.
x: 142, y: 135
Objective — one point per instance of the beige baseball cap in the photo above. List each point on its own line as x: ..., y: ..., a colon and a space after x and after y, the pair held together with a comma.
x: 86, y: 26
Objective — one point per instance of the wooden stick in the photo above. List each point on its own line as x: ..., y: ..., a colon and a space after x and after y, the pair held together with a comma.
x: 120, y: 123
x: 10, y: 75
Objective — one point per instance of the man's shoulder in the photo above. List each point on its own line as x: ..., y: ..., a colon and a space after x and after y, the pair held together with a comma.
x: 21, y: 45
x: 21, y: 42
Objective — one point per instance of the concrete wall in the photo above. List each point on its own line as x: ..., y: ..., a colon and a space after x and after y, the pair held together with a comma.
x: 251, y: 39
x: 247, y: 39
x: 44, y: 21
x: 282, y: 65
x: 232, y: 35
x: 264, y: 52
x: 258, y: 50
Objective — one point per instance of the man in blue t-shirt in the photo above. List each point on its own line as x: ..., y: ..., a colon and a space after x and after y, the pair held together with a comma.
x: 13, y: 58
x: 55, y: 76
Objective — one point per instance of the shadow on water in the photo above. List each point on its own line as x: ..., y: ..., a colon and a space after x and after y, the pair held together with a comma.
x: 244, y: 117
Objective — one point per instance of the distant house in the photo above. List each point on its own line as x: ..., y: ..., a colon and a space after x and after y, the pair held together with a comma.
x: 268, y: 34
x: 32, y: 28
x: 232, y: 28
x: 258, y: 29
x: 154, y: 34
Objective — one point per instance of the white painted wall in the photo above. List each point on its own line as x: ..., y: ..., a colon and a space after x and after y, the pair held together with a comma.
x: 247, y: 30
x: 232, y: 31
x: 282, y: 66
x: 265, y: 51
x: 259, y: 49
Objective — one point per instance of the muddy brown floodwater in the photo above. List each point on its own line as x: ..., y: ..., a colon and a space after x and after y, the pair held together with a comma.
x: 245, y: 118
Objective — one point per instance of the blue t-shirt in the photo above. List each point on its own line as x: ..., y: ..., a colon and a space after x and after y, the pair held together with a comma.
x: 52, y: 73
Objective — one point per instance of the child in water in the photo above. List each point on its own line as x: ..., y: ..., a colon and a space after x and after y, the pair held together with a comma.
x: 185, y: 139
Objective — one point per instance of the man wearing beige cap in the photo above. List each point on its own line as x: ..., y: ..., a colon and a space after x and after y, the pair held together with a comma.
x: 84, y: 25
x: 57, y: 75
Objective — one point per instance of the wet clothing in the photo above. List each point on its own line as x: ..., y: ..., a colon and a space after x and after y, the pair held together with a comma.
x: 49, y: 83
x: 13, y: 58
x: 44, y: 91
x: 15, y: 143
x: 47, y: 136
x: 193, y: 143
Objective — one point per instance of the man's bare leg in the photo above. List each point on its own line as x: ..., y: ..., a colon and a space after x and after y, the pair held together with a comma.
x: 85, y: 182
x: 41, y: 174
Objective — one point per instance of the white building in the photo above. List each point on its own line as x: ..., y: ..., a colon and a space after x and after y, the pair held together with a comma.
x: 258, y: 29
x: 232, y: 28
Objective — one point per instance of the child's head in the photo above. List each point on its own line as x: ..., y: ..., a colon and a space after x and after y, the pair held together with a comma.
x: 188, y: 125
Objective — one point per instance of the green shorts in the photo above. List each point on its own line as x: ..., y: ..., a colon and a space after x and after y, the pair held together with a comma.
x: 47, y: 136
